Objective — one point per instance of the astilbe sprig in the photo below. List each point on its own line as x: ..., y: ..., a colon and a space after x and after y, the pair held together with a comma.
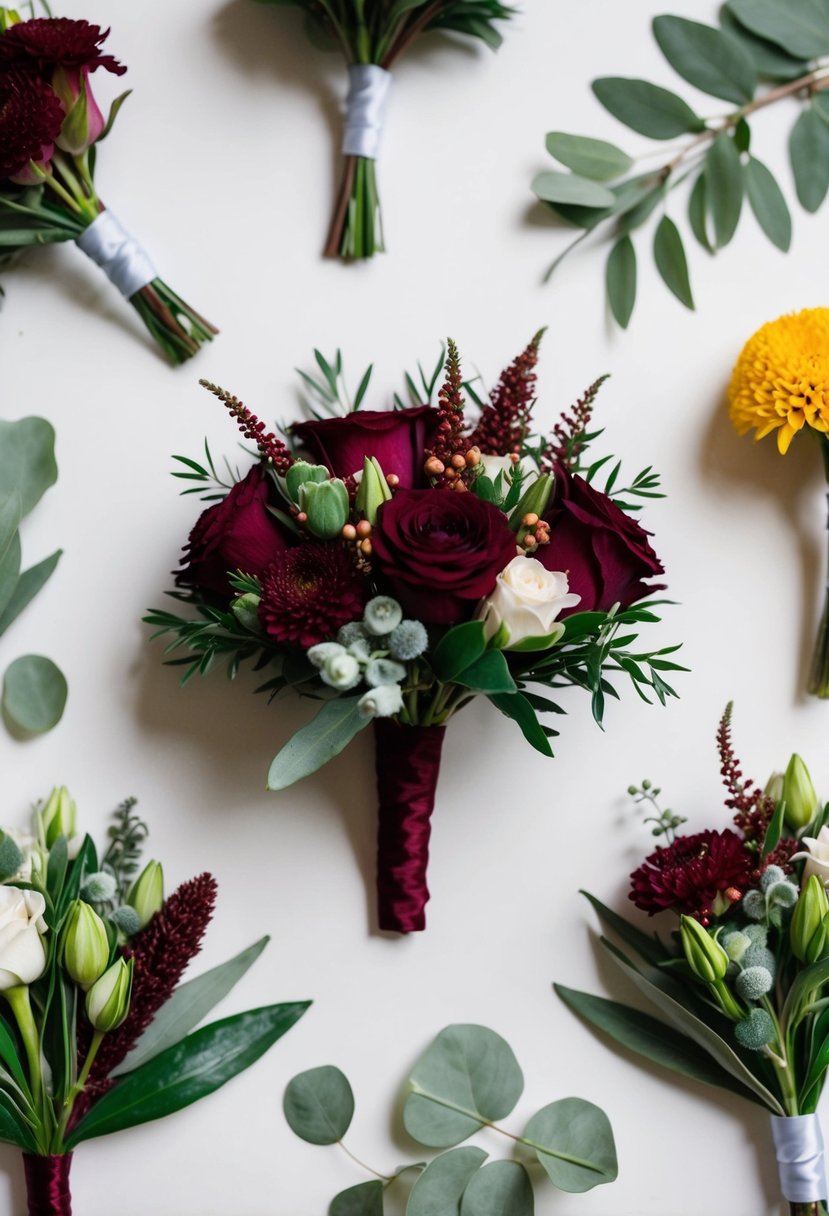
x: 446, y: 459
x: 504, y: 423
x: 570, y: 435
x: 269, y: 445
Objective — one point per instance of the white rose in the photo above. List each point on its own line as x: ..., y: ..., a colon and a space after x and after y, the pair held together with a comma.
x: 22, y: 953
x: 816, y: 856
x: 526, y: 601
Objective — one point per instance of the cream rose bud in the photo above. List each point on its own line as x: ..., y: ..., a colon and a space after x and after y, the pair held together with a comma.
x: 816, y: 856
x: 526, y: 601
x: 22, y: 953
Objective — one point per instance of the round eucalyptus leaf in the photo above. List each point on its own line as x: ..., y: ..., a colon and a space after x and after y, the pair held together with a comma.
x: 27, y: 459
x: 319, y: 1105
x: 501, y: 1188
x: 439, y: 1188
x: 468, y: 1076
x: 573, y: 1140
x: 34, y: 694
x: 366, y: 1199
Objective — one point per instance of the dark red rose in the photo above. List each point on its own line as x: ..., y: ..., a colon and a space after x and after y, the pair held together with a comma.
x: 688, y: 875
x: 30, y: 120
x: 397, y: 438
x: 604, y: 552
x: 440, y: 552
x: 238, y: 533
x: 46, y: 43
x: 309, y: 592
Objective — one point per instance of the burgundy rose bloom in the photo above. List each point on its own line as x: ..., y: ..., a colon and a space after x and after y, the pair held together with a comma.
x: 397, y: 438
x: 46, y: 43
x: 440, y: 552
x: 238, y: 533
x: 30, y: 120
x: 309, y: 592
x: 604, y: 552
x: 689, y: 874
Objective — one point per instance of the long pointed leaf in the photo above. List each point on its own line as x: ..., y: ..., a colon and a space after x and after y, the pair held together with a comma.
x: 314, y: 745
x: 28, y: 585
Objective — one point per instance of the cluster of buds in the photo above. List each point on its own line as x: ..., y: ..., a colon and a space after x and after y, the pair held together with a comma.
x: 535, y: 531
x: 526, y: 521
x: 456, y: 471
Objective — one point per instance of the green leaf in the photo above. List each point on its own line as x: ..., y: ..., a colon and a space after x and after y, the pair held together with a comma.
x: 552, y: 187
x: 724, y: 184
x: 768, y: 204
x: 774, y: 830
x: 645, y: 945
x: 9, y: 570
x: 646, y: 107
x: 27, y: 460
x: 439, y: 1188
x: 191, y: 1070
x: 30, y: 582
x: 669, y: 255
x: 458, y: 649
x: 13, y: 1127
x: 697, y: 209
x: 466, y: 1077
x: 515, y: 705
x: 651, y: 1038
x: 771, y: 62
x: 9, y: 1056
x: 593, y: 158
x: 34, y: 694
x: 807, y: 981
x: 573, y: 1140
x: 190, y: 1004
x: 501, y: 1188
x: 489, y: 674
x: 809, y: 154
x: 365, y: 1199
x: 800, y: 27
x: 325, y: 736
x: 621, y: 280
x: 319, y: 1105
x: 707, y: 58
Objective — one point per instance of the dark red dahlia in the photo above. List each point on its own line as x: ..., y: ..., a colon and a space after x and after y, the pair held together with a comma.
x: 46, y: 43
x: 689, y: 875
x: 309, y: 592
x: 30, y: 120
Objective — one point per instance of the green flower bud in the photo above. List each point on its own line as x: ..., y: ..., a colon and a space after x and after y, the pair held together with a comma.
x: 756, y: 1031
x: 373, y: 489
x: 799, y: 795
x: 735, y: 945
x: 57, y: 817
x: 301, y: 472
x: 246, y: 611
x: 108, y: 1000
x: 85, y: 944
x: 533, y: 501
x: 147, y: 892
x: 326, y: 505
x: 807, y: 932
x: 774, y: 787
x: 705, y: 955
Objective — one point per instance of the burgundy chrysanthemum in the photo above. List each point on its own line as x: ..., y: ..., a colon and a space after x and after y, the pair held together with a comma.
x: 688, y: 875
x: 309, y: 592
x: 30, y: 119
x: 46, y: 43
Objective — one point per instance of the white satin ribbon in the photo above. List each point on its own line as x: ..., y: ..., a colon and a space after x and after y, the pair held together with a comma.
x: 365, y: 109
x: 798, y: 1144
x: 121, y: 258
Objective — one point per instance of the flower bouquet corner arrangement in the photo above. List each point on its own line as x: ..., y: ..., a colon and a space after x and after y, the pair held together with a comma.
x: 50, y: 129
x: 372, y: 36
x: 741, y: 984
x: 97, y: 1034
x: 780, y: 387
x: 393, y: 565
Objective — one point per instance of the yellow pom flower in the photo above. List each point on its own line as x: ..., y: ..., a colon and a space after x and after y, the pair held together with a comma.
x: 781, y: 381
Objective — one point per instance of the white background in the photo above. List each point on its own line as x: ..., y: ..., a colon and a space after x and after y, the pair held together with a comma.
x: 222, y: 162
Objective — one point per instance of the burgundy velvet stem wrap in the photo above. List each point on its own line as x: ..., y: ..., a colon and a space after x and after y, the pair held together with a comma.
x: 408, y: 764
x: 47, y: 1185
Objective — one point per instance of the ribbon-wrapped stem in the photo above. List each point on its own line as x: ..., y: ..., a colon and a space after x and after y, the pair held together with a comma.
x: 798, y: 1146
x: 357, y: 227
x: 408, y: 765
x: 47, y: 1185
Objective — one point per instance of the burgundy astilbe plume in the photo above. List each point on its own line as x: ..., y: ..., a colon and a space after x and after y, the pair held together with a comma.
x: 752, y: 808
x: 252, y: 428
x: 30, y: 119
x: 693, y: 873
x: 570, y: 435
x: 45, y: 43
x: 505, y: 422
x: 450, y: 442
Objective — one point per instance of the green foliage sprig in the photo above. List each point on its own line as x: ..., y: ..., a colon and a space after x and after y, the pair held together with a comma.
x: 762, y: 52
x: 465, y: 1081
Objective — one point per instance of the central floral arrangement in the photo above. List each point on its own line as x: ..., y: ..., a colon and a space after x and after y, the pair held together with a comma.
x: 396, y: 564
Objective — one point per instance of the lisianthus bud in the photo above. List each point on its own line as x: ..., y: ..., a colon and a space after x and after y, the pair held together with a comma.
x: 373, y: 489
x: 84, y: 122
x: 382, y: 615
x: 326, y: 505
x: 341, y: 671
x: 246, y: 611
x: 381, y: 702
x: 57, y: 817
x: 807, y: 932
x: 705, y: 955
x: 774, y: 787
x: 147, y: 892
x: 85, y: 944
x: 799, y: 795
x: 108, y: 1000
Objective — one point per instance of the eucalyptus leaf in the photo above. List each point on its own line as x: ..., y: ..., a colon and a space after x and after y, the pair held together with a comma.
x: 34, y: 694
x: 27, y: 460
x: 439, y: 1188
x: 324, y: 737
x: 573, y: 1140
x: 724, y: 185
x: 28, y: 585
x: 646, y: 107
x: 319, y: 1105
x: 669, y: 255
x: 500, y: 1188
x: 13, y: 1126
x: 771, y: 62
x: 365, y: 1199
x: 809, y: 154
x: 621, y: 280
x: 552, y: 187
x: 9, y: 571
x: 800, y: 27
x: 697, y: 213
x: 593, y: 158
x: 708, y: 58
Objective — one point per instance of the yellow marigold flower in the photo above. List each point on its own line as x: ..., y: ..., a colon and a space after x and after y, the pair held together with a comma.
x: 781, y: 380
